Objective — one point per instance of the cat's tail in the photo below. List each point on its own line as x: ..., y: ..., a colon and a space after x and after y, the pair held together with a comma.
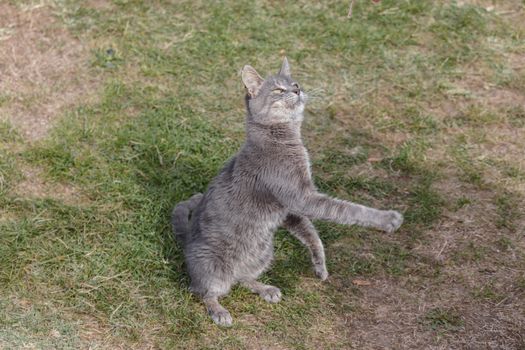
x: 180, y: 217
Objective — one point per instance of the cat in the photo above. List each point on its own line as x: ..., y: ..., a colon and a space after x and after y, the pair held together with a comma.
x: 227, y: 232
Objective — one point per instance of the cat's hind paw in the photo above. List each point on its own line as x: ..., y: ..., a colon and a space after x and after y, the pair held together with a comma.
x: 320, y: 272
x: 271, y: 294
x: 222, y: 318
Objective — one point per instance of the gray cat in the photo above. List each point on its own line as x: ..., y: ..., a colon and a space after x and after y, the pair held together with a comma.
x: 268, y: 184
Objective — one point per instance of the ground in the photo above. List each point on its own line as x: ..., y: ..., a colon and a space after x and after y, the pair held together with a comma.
x: 113, y: 111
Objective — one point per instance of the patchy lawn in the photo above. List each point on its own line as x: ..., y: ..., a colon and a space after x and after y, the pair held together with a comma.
x: 112, y: 111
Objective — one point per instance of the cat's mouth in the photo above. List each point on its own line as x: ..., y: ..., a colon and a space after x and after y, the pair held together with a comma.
x: 300, y: 100
x: 303, y: 97
x: 298, y: 106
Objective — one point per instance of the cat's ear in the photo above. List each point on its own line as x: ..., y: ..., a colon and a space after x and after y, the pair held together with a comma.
x: 285, y: 68
x: 251, y: 79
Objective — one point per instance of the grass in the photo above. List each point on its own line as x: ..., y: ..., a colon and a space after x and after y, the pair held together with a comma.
x: 415, y: 105
x: 443, y: 319
x: 507, y: 208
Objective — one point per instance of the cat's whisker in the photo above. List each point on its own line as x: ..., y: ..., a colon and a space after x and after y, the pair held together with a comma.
x: 315, y: 90
x: 316, y: 97
x: 316, y: 93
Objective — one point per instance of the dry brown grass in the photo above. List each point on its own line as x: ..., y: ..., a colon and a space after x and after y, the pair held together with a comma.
x: 483, y: 290
x: 44, y: 69
x: 35, y: 186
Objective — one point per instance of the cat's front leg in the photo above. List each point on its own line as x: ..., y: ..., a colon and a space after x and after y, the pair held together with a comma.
x: 388, y: 220
x: 323, y: 207
x: 269, y: 293
x: 303, y: 229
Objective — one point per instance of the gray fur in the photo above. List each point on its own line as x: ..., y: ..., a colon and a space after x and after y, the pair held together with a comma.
x: 267, y: 184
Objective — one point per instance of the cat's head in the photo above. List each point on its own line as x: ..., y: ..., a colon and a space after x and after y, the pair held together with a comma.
x: 276, y: 99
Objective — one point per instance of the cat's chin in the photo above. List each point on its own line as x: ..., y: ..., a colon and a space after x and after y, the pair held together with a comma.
x: 297, y: 118
x: 303, y: 97
x: 298, y: 113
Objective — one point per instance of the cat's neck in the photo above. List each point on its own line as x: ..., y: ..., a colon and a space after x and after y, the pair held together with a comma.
x: 289, y: 133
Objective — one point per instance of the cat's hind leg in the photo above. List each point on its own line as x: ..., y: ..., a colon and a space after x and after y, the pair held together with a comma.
x: 303, y: 229
x: 269, y: 293
x: 211, y: 282
x: 217, y: 312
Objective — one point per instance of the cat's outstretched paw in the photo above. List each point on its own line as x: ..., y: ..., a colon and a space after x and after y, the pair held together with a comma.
x: 221, y: 318
x: 271, y: 294
x: 391, y: 221
x: 321, y: 272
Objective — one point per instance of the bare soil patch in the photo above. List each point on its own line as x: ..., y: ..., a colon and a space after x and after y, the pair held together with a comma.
x: 502, y: 7
x: 475, y: 302
x: 401, y: 313
x: 43, y: 69
x: 34, y: 185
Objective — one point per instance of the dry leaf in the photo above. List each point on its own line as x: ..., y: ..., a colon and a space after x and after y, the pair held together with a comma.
x: 374, y: 159
x: 359, y: 282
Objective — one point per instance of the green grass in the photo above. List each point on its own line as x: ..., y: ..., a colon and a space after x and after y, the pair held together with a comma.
x: 488, y: 293
x: 508, y: 205
x: 443, y: 319
x: 471, y: 170
x: 9, y: 173
x: 101, y: 269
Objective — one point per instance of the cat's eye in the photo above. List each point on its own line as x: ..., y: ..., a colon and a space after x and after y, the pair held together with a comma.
x: 279, y: 90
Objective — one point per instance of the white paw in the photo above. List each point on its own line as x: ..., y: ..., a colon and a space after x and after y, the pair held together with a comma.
x: 391, y: 221
x: 271, y: 295
x: 222, y: 318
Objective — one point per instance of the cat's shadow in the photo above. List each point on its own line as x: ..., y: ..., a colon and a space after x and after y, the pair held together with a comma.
x: 166, y: 185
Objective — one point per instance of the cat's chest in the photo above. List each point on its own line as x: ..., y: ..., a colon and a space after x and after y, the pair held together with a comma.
x: 253, y: 253
x: 294, y: 162
x: 297, y: 171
